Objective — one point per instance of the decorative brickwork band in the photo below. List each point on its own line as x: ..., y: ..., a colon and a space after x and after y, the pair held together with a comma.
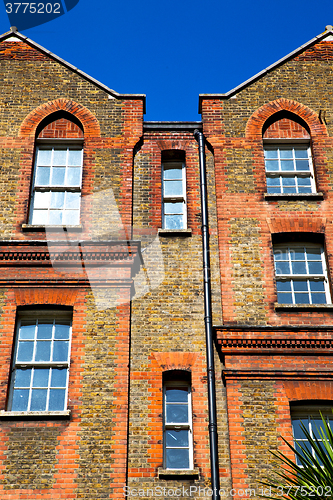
x: 255, y: 346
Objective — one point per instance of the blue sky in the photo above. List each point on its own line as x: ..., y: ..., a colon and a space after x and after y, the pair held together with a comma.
x: 173, y: 51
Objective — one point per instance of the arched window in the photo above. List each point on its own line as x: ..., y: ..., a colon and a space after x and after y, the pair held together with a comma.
x: 56, y: 188
x: 174, y: 214
x: 288, y: 159
x: 177, y: 420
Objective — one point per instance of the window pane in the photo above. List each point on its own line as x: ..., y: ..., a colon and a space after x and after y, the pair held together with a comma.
x: 59, y: 157
x: 283, y: 286
x: 317, y: 286
x: 44, y: 157
x: 177, y: 459
x: 176, y: 395
x: 300, y: 286
x: 38, y: 400
x: 43, y: 176
x: 25, y: 351
x: 39, y: 217
x: 57, y: 400
x: 272, y: 165
x: 43, y: 350
x: 302, y: 298
x: 177, y: 413
x: 44, y: 330
x: 315, y: 268
x: 58, y: 176
x: 286, y: 153
x: 61, y: 331
x: 57, y: 199
x: 173, y: 208
x: 72, y: 200
x: 284, y: 298
x: 42, y: 200
x: 173, y: 173
x: 71, y: 217
x: 55, y: 217
x: 302, y: 165
x: 282, y: 267
x: 297, y: 428
x: 298, y: 267
x: 60, y: 351
x: 177, y: 438
x: 273, y: 181
x: 318, y: 298
x: 287, y: 165
x: 73, y: 176
x: 271, y: 153
x: 22, y: 377
x: 301, y: 153
x: 27, y: 330
x: 173, y: 222
x: 59, y: 377
x: 75, y: 157
x: 20, y: 400
x: 41, y: 377
x: 173, y: 188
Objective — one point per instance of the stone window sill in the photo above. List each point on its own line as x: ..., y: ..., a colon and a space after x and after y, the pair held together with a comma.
x: 303, y: 307
x: 294, y: 196
x: 31, y: 227
x: 178, y: 473
x: 175, y: 232
x: 34, y: 415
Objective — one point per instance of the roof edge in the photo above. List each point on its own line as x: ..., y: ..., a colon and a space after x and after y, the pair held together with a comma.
x: 257, y: 76
x: 113, y: 93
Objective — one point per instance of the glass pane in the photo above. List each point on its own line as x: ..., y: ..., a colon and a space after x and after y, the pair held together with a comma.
x: 43, y: 350
x: 302, y: 298
x: 302, y: 165
x: 274, y: 189
x: 44, y: 330
x: 20, y: 400
x: 41, y: 377
x: 73, y: 176
x: 57, y: 399
x: 44, y: 157
x: 318, y: 298
x: 173, y: 208
x: 38, y: 400
x: 57, y: 199
x: 284, y: 298
x: 59, y: 377
x: 301, y: 153
x: 173, y: 173
x: 176, y: 413
x: 176, y: 395
x: 59, y: 156
x: 289, y: 190
x: 283, y: 286
x: 282, y: 267
x: 61, y: 331
x: 272, y: 165
x: 298, y: 433
x: 43, y: 176
x: 317, y: 286
x: 177, y: 459
x: 313, y: 253
x: 60, y: 351
x: 75, y: 157
x: 289, y: 181
x: 41, y: 200
x: 173, y: 188
x: 71, y: 217
x: 281, y: 254
x: 271, y: 153
x: 286, y: 153
x: 22, y: 377
x: 175, y: 438
x: 25, y: 351
x: 316, y: 425
x: 298, y: 267
x: 58, y: 176
x: 39, y: 217
x: 305, y: 189
x: 27, y: 330
x: 173, y: 222
x: 297, y: 254
x: 287, y: 165
x: 315, y: 268
x: 300, y: 286
x: 304, y: 181
x: 55, y: 217
x: 73, y: 201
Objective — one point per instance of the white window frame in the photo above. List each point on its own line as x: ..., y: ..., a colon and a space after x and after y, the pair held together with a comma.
x: 169, y: 426
x: 55, y: 315
x: 51, y: 145
x: 294, y: 144
x: 308, y: 277
x: 307, y: 414
x: 181, y: 198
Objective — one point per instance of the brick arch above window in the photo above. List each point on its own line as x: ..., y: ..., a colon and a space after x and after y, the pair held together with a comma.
x: 296, y: 225
x: 60, y: 125
x: 33, y: 296
x: 285, y: 125
x: 81, y: 113
x: 309, y: 391
x: 256, y: 123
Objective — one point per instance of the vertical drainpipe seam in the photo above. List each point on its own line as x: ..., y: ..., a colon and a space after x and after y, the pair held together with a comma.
x: 214, y: 461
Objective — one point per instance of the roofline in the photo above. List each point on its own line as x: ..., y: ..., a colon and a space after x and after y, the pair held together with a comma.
x: 167, y: 125
x: 242, y: 86
x: 84, y: 75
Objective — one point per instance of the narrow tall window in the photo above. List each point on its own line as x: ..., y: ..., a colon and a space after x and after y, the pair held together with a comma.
x: 57, y: 185
x: 301, y: 274
x: 39, y: 378
x: 174, y: 192
x: 178, y: 446
x: 312, y: 422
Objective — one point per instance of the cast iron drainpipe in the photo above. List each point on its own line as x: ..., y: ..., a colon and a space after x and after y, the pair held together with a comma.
x: 214, y: 460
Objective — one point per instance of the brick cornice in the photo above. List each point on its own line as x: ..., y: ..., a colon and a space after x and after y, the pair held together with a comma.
x: 276, y: 346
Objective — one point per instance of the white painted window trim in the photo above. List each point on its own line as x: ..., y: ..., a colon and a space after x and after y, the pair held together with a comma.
x: 181, y: 198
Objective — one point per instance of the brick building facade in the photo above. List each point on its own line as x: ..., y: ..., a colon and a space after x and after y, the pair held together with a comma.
x: 103, y: 355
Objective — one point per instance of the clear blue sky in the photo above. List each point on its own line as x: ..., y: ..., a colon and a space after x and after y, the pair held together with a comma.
x: 172, y: 51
